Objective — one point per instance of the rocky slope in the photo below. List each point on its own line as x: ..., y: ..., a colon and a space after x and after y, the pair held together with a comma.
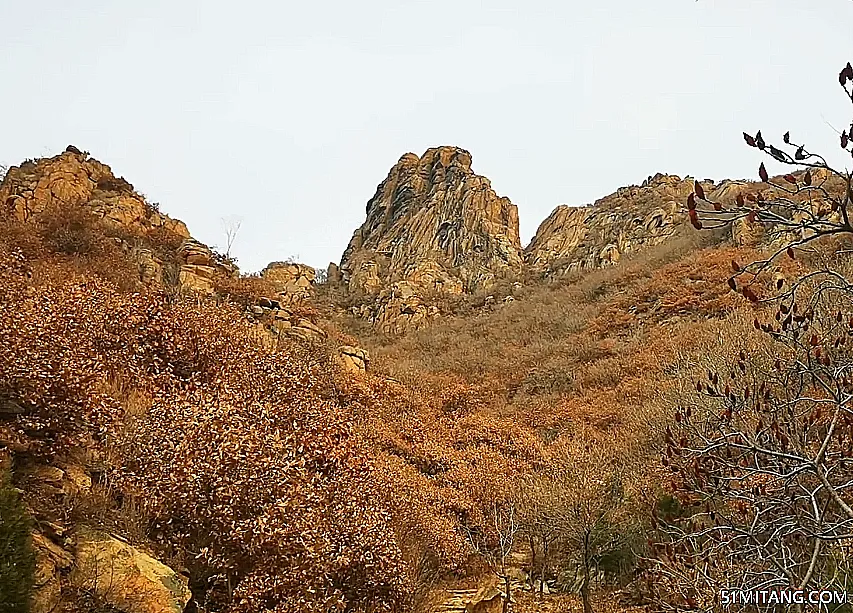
x: 74, y: 178
x: 635, y: 218
x: 161, y: 247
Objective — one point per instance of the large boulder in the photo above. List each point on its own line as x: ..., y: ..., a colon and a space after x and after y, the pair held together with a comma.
x: 353, y: 359
x: 125, y: 577
x: 292, y: 282
x: 199, y: 267
x: 487, y: 600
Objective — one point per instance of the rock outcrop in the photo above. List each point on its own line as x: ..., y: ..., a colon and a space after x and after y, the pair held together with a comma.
x: 633, y: 218
x: 433, y: 228
x: 637, y: 217
x: 199, y: 267
x: 436, y: 225
x: 353, y: 359
x: 285, y: 321
x: 293, y: 282
x: 73, y: 178
x: 125, y: 577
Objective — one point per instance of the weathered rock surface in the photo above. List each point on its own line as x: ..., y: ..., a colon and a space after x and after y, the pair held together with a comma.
x: 397, y: 309
x: 353, y: 359
x: 285, y: 321
x: 487, y: 600
x: 435, y: 224
x: 633, y: 218
x: 198, y: 268
x: 51, y: 561
x: 73, y: 178
x: 125, y: 577
x: 637, y: 217
x: 293, y: 282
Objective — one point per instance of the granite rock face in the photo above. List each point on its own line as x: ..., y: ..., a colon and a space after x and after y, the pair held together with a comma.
x: 292, y: 281
x: 638, y: 217
x: 73, y: 178
x: 631, y: 219
x: 436, y: 225
x: 125, y: 577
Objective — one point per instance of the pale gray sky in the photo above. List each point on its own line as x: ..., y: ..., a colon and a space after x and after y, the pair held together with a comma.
x: 288, y: 114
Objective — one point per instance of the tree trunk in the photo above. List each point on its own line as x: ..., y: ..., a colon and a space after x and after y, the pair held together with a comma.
x: 542, y: 571
x: 587, y: 605
x: 508, y: 594
x: 532, y: 562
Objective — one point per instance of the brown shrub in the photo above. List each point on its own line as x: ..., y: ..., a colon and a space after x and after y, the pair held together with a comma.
x: 244, y: 291
x: 71, y: 230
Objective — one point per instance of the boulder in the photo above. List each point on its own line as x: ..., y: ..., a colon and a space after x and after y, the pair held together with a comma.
x: 293, y: 282
x: 487, y: 600
x: 194, y: 253
x: 51, y: 561
x: 125, y: 577
x: 306, y: 330
x: 353, y: 359
x: 333, y: 273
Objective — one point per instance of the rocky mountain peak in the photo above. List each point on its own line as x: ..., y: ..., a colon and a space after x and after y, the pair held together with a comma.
x: 436, y: 224
x: 155, y: 242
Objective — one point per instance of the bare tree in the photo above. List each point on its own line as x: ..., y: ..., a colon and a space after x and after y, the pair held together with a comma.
x: 590, y: 498
x: 496, y: 542
x: 539, y: 524
x: 761, y: 452
x: 232, y: 227
x: 799, y: 207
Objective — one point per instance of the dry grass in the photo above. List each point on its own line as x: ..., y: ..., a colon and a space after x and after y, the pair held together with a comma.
x: 581, y: 341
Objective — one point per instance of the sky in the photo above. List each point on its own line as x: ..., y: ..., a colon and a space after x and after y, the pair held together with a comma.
x: 285, y: 116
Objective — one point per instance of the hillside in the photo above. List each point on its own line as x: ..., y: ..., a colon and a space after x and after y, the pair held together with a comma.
x: 274, y: 443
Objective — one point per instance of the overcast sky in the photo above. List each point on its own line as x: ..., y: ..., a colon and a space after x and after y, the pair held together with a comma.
x: 288, y: 114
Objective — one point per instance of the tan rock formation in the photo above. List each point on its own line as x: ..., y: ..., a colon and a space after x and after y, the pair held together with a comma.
x: 284, y: 321
x: 635, y: 218
x: 487, y: 600
x: 436, y: 224
x: 293, y: 282
x: 125, y: 577
x: 353, y: 359
x: 576, y: 238
x: 199, y: 268
x: 51, y: 561
x: 75, y: 178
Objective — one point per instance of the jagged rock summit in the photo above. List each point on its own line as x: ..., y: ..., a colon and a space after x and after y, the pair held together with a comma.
x: 637, y: 217
x: 435, y: 225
